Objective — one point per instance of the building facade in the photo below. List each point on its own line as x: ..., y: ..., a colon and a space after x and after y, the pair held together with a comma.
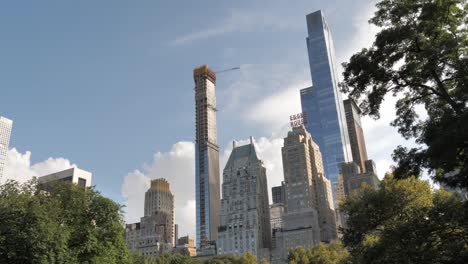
x: 339, y: 193
x: 185, y: 246
x: 354, y: 178
x: 322, y: 102
x: 305, y: 181
x: 155, y: 232
x: 159, y: 198
x: 245, y: 216
x: 206, y: 157
x: 278, y: 194
x: 356, y: 134
x: 309, y: 215
x: 80, y: 177
x: 5, y: 133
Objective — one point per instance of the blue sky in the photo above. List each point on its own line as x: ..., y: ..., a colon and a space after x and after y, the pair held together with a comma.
x: 107, y: 85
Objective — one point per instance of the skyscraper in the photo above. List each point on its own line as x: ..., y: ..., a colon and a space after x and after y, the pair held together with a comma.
x: 154, y: 234
x: 5, y: 131
x: 356, y: 135
x: 206, y: 157
x: 306, y: 185
x: 245, y: 215
x: 159, y: 198
x: 322, y: 102
x: 309, y: 215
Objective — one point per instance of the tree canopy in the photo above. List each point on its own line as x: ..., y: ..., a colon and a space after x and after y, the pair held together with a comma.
x: 333, y: 253
x: 405, y: 222
x: 66, y: 225
x: 421, y: 56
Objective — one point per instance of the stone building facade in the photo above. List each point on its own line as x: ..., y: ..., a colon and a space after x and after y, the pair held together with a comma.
x: 245, y: 217
x: 309, y: 215
x: 154, y: 234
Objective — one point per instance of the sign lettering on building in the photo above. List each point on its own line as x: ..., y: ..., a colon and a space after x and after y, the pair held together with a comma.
x: 298, y: 120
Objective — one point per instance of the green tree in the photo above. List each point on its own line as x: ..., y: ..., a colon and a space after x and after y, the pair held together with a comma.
x: 66, y: 225
x: 420, y: 55
x: 333, y: 253
x: 28, y: 232
x: 248, y: 258
x: 406, y: 222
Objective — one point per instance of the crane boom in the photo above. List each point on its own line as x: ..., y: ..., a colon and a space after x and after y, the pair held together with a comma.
x: 230, y: 69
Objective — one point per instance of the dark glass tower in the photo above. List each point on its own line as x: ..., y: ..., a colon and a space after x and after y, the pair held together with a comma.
x: 322, y: 102
x: 206, y: 157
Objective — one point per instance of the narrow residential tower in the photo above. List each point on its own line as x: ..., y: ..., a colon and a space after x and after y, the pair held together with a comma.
x: 206, y: 157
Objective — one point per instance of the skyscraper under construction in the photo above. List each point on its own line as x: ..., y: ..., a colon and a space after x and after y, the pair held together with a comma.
x: 206, y: 157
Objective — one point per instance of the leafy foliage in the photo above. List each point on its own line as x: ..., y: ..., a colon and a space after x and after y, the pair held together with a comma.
x: 420, y: 55
x: 246, y: 258
x: 406, y: 222
x: 333, y: 253
x: 67, y: 225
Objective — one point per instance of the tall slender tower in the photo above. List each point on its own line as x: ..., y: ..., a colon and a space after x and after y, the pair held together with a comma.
x: 322, y: 102
x: 5, y: 131
x: 206, y: 157
x: 356, y: 135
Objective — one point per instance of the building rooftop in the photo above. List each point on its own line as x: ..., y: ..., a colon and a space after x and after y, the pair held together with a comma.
x: 246, y: 152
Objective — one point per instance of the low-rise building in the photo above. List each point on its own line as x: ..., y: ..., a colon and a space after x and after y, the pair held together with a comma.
x: 77, y: 176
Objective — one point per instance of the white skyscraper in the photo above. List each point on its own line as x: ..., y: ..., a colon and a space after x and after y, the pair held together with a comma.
x: 5, y: 132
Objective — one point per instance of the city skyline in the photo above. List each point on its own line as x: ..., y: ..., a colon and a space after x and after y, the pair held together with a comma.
x: 176, y: 145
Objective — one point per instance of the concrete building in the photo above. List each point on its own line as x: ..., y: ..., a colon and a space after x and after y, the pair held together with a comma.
x: 354, y: 178
x: 278, y: 194
x: 339, y: 192
x: 80, y: 177
x: 176, y: 233
x: 206, y: 157
x: 276, y: 215
x: 305, y: 181
x: 356, y: 134
x: 159, y: 198
x: 309, y: 215
x: 322, y: 102
x: 276, y: 221
x: 245, y: 216
x: 154, y: 234
x: 5, y: 133
x: 186, y: 246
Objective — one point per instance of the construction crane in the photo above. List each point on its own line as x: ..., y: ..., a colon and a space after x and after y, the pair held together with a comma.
x: 230, y: 69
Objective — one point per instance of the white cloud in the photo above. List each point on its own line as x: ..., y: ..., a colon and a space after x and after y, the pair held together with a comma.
x: 18, y: 166
x: 263, y: 95
x: 274, y: 110
x: 246, y: 20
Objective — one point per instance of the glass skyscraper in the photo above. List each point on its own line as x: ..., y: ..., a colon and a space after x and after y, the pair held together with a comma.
x: 322, y: 101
